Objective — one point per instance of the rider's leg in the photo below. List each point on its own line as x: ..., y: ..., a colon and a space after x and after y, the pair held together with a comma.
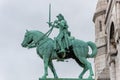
x: 55, y: 48
x: 61, y: 46
x: 67, y: 42
x: 61, y: 53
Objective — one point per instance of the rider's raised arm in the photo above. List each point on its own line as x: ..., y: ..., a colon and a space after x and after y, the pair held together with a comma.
x: 55, y: 24
x: 49, y: 23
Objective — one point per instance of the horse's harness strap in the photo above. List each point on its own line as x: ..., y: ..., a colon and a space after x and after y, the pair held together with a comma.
x: 46, y: 34
x: 42, y: 42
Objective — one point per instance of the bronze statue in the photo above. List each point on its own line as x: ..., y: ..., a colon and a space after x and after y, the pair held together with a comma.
x: 45, y: 49
x: 61, y: 41
x: 49, y: 49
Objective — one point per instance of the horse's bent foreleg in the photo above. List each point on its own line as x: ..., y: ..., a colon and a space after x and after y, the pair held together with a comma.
x: 53, y: 69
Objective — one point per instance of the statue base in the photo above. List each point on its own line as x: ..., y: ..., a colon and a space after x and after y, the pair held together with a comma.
x: 65, y: 79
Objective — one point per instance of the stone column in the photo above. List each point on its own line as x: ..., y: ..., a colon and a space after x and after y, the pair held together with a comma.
x: 118, y: 13
x: 112, y: 71
x: 118, y: 46
x: 118, y: 63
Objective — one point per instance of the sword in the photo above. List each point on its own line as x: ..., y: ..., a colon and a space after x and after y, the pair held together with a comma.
x: 49, y: 14
x: 49, y: 32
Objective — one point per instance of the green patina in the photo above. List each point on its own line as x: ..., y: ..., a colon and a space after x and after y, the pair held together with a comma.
x: 62, y: 47
x: 66, y: 79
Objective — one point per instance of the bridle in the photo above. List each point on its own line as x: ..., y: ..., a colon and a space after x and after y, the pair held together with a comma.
x: 45, y: 35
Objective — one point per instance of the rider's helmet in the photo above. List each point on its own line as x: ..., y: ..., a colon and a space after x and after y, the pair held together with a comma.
x: 60, y: 17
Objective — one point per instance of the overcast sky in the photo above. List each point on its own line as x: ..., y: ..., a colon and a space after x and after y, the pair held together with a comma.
x: 17, y: 63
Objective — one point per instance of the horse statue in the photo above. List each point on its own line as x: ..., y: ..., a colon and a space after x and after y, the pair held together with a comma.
x: 45, y: 49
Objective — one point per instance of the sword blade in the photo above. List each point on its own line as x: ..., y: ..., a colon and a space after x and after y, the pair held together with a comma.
x: 49, y: 14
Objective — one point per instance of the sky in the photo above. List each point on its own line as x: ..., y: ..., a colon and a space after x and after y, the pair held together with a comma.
x: 18, y: 63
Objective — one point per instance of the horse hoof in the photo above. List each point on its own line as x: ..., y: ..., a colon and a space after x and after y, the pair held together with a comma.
x: 90, y: 77
x: 44, y: 77
x: 80, y: 77
x: 56, y: 77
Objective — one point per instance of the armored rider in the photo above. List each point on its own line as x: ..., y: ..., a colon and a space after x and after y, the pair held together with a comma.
x: 62, y: 39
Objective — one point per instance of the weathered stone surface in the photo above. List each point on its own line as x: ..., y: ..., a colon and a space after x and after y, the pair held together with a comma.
x: 107, y: 61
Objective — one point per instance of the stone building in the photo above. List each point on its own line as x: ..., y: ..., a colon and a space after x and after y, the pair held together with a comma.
x: 107, y: 37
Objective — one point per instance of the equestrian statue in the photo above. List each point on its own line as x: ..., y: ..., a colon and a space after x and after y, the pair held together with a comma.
x: 62, y: 47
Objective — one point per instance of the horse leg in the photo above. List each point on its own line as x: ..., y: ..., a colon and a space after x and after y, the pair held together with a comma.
x: 53, y: 69
x: 87, y: 66
x: 84, y: 61
x: 91, y: 71
x: 83, y: 72
x: 45, y: 58
x: 83, y: 66
x: 79, y: 61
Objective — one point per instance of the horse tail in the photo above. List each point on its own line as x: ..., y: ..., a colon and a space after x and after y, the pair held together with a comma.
x: 94, y: 49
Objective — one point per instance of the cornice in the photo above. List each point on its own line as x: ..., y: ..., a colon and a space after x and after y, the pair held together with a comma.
x: 117, y: 1
x: 99, y: 13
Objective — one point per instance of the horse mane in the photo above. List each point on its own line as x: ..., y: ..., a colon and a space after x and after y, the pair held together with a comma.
x: 42, y: 34
x: 36, y: 31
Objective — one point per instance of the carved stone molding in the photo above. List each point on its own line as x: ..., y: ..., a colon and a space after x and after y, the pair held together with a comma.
x: 117, y: 1
x: 98, y: 14
x: 111, y: 57
x: 104, y: 75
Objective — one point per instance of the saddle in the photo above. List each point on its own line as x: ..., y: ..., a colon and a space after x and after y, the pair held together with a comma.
x: 61, y: 53
x: 67, y: 53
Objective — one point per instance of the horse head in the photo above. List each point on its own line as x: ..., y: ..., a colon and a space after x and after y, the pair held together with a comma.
x: 28, y: 39
x: 32, y: 38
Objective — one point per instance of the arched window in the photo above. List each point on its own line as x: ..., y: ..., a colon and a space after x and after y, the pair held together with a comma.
x: 112, y: 35
x: 100, y: 25
x: 112, y: 31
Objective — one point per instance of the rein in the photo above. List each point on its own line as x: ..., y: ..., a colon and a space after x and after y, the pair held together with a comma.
x: 46, y: 34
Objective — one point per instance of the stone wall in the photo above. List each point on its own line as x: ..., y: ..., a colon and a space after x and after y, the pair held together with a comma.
x: 107, y: 61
